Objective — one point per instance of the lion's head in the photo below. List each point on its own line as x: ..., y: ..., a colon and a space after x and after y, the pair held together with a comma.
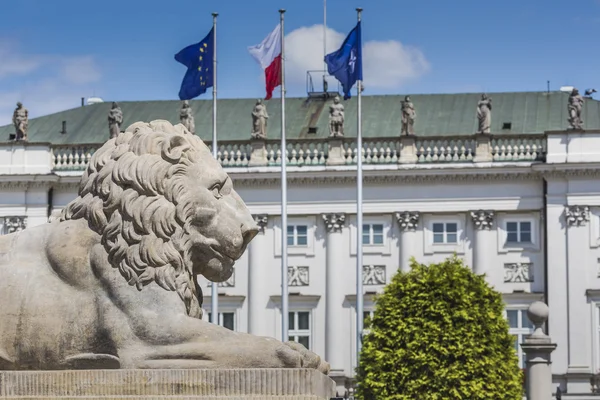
x: 165, y: 209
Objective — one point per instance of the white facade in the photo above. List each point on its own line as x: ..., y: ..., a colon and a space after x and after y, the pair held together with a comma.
x: 532, y: 227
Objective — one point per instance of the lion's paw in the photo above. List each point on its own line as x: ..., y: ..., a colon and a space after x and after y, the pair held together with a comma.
x: 308, y: 359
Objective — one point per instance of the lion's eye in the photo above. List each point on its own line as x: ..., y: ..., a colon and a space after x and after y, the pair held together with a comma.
x: 216, y: 191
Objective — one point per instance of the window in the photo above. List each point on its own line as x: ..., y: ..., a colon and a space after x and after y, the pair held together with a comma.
x: 518, y: 232
x: 297, y: 235
x: 299, y: 327
x: 445, y: 232
x: 226, y: 320
x: 372, y: 234
x: 367, y: 318
x: 520, y: 326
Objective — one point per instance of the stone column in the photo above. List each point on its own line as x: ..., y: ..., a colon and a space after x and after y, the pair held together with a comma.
x: 258, y: 157
x: 483, y: 151
x: 408, y: 221
x: 334, y: 296
x: 483, y: 221
x: 408, y: 149
x: 258, y: 293
x: 538, y: 347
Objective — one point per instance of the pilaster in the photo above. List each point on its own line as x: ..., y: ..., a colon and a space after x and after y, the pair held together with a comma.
x: 408, y: 222
x: 579, y: 325
x: 334, y: 295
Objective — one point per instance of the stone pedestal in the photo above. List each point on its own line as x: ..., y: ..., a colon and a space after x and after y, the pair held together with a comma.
x: 335, y: 153
x: 258, y: 157
x: 483, y: 151
x: 408, y: 149
x: 537, y: 348
x: 258, y: 293
x: 334, y: 295
x: 483, y: 221
x: 238, y: 384
x: 408, y: 222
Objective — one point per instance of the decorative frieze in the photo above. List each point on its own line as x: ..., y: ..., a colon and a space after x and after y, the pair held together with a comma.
x: 14, y: 224
x: 483, y: 219
x: 577, y: 215
x: 373, y: 274
x: 518, y: 272
x: 261, y: 220
x: 408, y: 220
x: 334, y: 222
x: 297, y: 276
x: 228, y: 283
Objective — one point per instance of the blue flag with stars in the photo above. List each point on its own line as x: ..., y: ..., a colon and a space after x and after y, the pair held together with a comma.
x: 346, y: 63
x: 198, y: 58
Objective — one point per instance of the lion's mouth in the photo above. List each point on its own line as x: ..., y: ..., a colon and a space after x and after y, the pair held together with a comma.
x: 223, y: 256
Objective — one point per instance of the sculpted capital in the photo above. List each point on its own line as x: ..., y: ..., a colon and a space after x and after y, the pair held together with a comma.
x: 577, y: 215
x: 483, y: 219
x: 334, y: 222
x: 408, y: 220
x: 261, y: 220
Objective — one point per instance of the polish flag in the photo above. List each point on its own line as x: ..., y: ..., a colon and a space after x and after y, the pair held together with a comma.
x: 268, y: 55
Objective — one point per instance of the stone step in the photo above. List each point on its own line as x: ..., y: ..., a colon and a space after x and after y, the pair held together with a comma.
x: 188, y: 384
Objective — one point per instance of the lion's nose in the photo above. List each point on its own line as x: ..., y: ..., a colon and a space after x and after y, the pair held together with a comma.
x: 248, y: 232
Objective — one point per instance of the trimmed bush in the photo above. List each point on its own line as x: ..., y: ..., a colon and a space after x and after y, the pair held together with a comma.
x: 438, y: 333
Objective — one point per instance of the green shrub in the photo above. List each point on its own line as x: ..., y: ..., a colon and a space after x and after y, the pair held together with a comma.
x: 438, y: 333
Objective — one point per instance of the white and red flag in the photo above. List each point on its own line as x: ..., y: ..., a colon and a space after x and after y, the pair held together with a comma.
x: 268, y: 55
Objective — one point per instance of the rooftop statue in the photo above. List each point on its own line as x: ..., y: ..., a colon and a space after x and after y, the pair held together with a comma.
x: 259, y: 120
x: 336, y: 118
x: 20, y: 121
x: 574, y: 108
x: 115, y: 119
x: 112, y: 282
x: 484, y: 114
x: 408, y: 117
x: 186, y: 116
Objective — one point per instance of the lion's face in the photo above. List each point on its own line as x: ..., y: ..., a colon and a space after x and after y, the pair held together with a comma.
x: 220, y: 225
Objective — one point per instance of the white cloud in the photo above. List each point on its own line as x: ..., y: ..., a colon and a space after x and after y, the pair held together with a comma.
x: 44, y: 83
x: 386, y: 64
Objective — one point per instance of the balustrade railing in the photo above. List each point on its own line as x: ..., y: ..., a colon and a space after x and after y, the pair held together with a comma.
x: 307, y: 152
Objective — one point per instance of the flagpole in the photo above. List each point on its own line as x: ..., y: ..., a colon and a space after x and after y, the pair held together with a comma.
x: 215, y: 286
x: 359, y: 218
x: 284, y: 250
x: 325, y: 44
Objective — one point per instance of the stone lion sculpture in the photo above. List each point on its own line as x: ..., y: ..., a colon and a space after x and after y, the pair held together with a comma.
x: 111, y: 283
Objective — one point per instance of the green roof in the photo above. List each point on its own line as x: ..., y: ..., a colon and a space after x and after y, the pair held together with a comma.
x: 437, y: 115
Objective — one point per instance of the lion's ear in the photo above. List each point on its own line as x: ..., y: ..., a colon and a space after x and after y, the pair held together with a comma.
x: 175, y: 147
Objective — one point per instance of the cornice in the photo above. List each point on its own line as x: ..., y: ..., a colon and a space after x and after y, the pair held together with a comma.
x: 390, y: 174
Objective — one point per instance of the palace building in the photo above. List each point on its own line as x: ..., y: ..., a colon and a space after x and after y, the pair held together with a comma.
x: 520, y: 204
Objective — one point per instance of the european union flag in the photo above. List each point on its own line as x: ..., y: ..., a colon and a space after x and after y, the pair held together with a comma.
x: 346, y: 63
x: 198, y: 58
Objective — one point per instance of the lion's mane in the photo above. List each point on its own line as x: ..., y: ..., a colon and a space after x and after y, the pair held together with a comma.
x: 133, y: 196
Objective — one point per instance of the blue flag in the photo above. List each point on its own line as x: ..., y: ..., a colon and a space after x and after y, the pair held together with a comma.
x: 346, y: 63
x: 198, y: 58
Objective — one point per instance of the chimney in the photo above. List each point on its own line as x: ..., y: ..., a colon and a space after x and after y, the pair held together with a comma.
x: 64, y: 127
x: 82, y: 101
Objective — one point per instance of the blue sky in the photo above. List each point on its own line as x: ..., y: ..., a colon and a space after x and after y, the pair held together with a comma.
x: 52, y: 53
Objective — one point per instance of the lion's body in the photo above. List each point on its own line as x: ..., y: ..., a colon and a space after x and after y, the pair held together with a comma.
x: 43, y: 302
x: 112, y: 283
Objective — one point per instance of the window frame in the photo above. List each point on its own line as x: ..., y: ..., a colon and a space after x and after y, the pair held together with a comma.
x: 429, y: 247
x: 297, y: 332
x: 594, y: 227
x: 222, y: 319
x: 506, y: 247
x: 377, y: 249
x: 519, y: 331
x: 295, y: 235
x: 227, y: 304
x: 371, y: 235
x: 368, y: 306
x: 309, y: 249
